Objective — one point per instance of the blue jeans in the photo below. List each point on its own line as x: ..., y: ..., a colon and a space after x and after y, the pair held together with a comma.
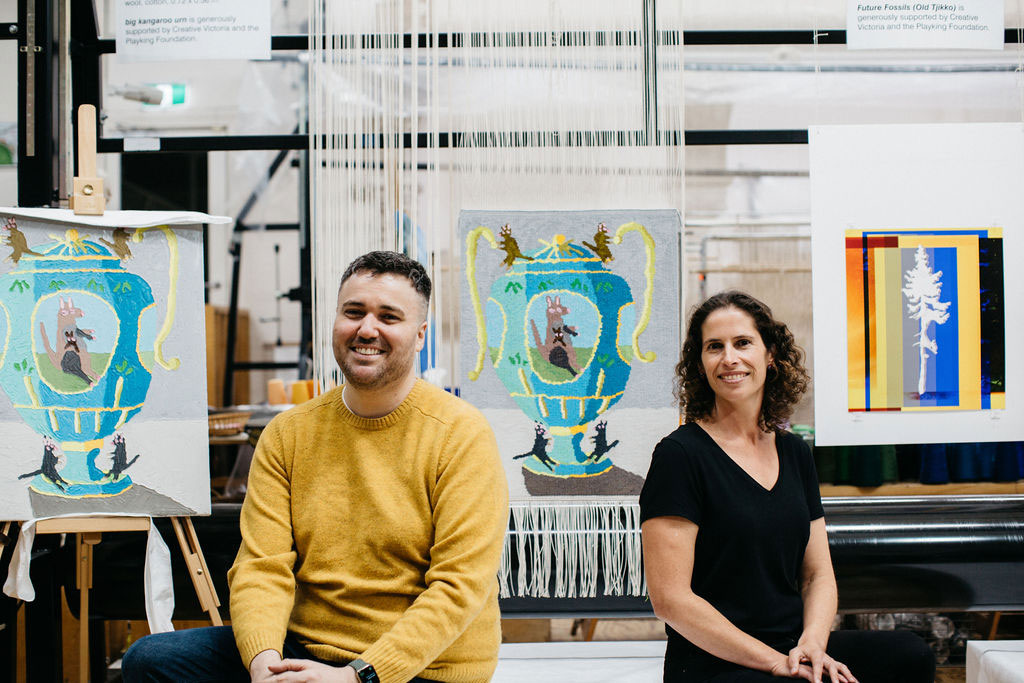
x: 198, y: 655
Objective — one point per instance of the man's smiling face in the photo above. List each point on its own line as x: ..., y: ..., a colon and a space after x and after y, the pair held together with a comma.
x: 379, y: 329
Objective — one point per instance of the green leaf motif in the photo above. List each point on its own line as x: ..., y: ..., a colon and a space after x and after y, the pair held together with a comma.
x: 516, y: 359
x: 576, y: 284
x: 57, y: 284
x: 95, y: 286
x: 514, y: 286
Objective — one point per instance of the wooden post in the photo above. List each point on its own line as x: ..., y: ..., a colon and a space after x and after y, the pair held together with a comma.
x: 197, y: 569
x: 87, y: 197
x: 995, y: 625
x: 83, y: 579
x: 4, y: 534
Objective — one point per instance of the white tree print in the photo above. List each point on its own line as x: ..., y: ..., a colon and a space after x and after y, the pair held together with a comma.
x: 923, y: 289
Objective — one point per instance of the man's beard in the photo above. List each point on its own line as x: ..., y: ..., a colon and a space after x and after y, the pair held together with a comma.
x: 391, y: 371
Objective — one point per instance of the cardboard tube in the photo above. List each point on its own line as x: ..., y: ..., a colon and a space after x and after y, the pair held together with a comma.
x: 275, y: 392
x: 300, y: 392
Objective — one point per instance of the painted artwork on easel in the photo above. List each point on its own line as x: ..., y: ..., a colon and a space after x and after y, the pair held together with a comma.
x: 102, y: 369
x: 925, y: 326
x: 570, y: 331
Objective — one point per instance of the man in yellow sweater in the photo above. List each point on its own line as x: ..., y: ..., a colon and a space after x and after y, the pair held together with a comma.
x: 373, y: 524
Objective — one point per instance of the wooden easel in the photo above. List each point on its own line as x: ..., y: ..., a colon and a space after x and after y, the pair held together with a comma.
x: 88, y: 198
x: 89, y: 531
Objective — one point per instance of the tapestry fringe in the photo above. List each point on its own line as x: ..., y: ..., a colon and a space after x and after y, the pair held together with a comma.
x: 573, y: 550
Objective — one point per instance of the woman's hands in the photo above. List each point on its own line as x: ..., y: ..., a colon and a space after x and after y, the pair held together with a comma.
x: 808, y: 660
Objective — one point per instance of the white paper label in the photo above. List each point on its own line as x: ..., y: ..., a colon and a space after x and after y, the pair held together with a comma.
x: 171, y: 30
x: 138, y: 144
x: 965, y: 24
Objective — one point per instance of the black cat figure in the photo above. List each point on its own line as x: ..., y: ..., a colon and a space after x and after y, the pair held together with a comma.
x: 600, y: 439
x: 120, y: 458
x: 48, y: 468
x: 540, y: 448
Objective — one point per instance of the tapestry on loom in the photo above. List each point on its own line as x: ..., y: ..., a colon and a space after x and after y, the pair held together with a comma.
x: 569, y: 337
x: 102, y: 368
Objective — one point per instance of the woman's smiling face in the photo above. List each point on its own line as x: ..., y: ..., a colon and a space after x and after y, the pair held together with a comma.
x: 734, y: 358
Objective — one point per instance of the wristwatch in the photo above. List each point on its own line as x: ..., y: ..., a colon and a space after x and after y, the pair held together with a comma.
x: 364, y: 671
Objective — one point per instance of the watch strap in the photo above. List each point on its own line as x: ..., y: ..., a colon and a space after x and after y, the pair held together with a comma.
x: 364, y: 671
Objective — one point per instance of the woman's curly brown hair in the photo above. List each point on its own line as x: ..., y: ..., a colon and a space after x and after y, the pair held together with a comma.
x: 783, y: 387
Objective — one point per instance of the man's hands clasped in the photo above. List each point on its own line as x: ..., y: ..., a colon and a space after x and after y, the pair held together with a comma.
x: 268, y: 666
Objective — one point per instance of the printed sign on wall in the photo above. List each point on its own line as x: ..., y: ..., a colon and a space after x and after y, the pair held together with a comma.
x: 171, y: 30
x: 898, y: 24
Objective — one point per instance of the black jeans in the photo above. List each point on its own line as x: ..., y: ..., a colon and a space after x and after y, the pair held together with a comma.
x: 872, y: 656
x: 198, y: 655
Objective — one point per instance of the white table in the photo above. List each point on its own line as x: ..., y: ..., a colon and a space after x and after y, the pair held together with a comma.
x: 995, y: 661
x: 581, y: 662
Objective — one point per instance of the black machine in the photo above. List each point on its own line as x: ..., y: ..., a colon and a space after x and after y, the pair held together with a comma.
x: 924, y: 553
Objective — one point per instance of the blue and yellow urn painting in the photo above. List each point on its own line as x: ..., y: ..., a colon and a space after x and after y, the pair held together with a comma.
x: 570, y: 331
x: 103, y: 386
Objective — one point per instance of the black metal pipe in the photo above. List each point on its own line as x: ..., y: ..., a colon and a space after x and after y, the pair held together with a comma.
x: 533, y: 139
x: 37, y: 160
x: 593, y: 37
x: 86, y: 75
x: 265, y: 365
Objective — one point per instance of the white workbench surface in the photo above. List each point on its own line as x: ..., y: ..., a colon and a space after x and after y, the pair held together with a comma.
x: 995, y: 661
x: 581, y: 662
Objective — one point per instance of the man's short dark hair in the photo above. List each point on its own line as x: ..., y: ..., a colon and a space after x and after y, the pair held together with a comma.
x: 380, y: 262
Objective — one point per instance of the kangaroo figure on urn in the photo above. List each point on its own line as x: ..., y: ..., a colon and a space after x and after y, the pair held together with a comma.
x: 72, y: 357
x: 557, y: 348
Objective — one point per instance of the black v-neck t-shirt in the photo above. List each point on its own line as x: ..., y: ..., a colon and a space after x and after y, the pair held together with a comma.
x: 750, y: 540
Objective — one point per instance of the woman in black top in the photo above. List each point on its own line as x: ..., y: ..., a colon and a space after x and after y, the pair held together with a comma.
x: 735, y: 550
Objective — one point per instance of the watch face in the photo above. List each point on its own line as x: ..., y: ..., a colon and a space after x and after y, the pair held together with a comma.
x: 365, y: 671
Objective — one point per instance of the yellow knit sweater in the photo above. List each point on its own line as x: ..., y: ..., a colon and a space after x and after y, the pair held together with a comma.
x: 375, y: 538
